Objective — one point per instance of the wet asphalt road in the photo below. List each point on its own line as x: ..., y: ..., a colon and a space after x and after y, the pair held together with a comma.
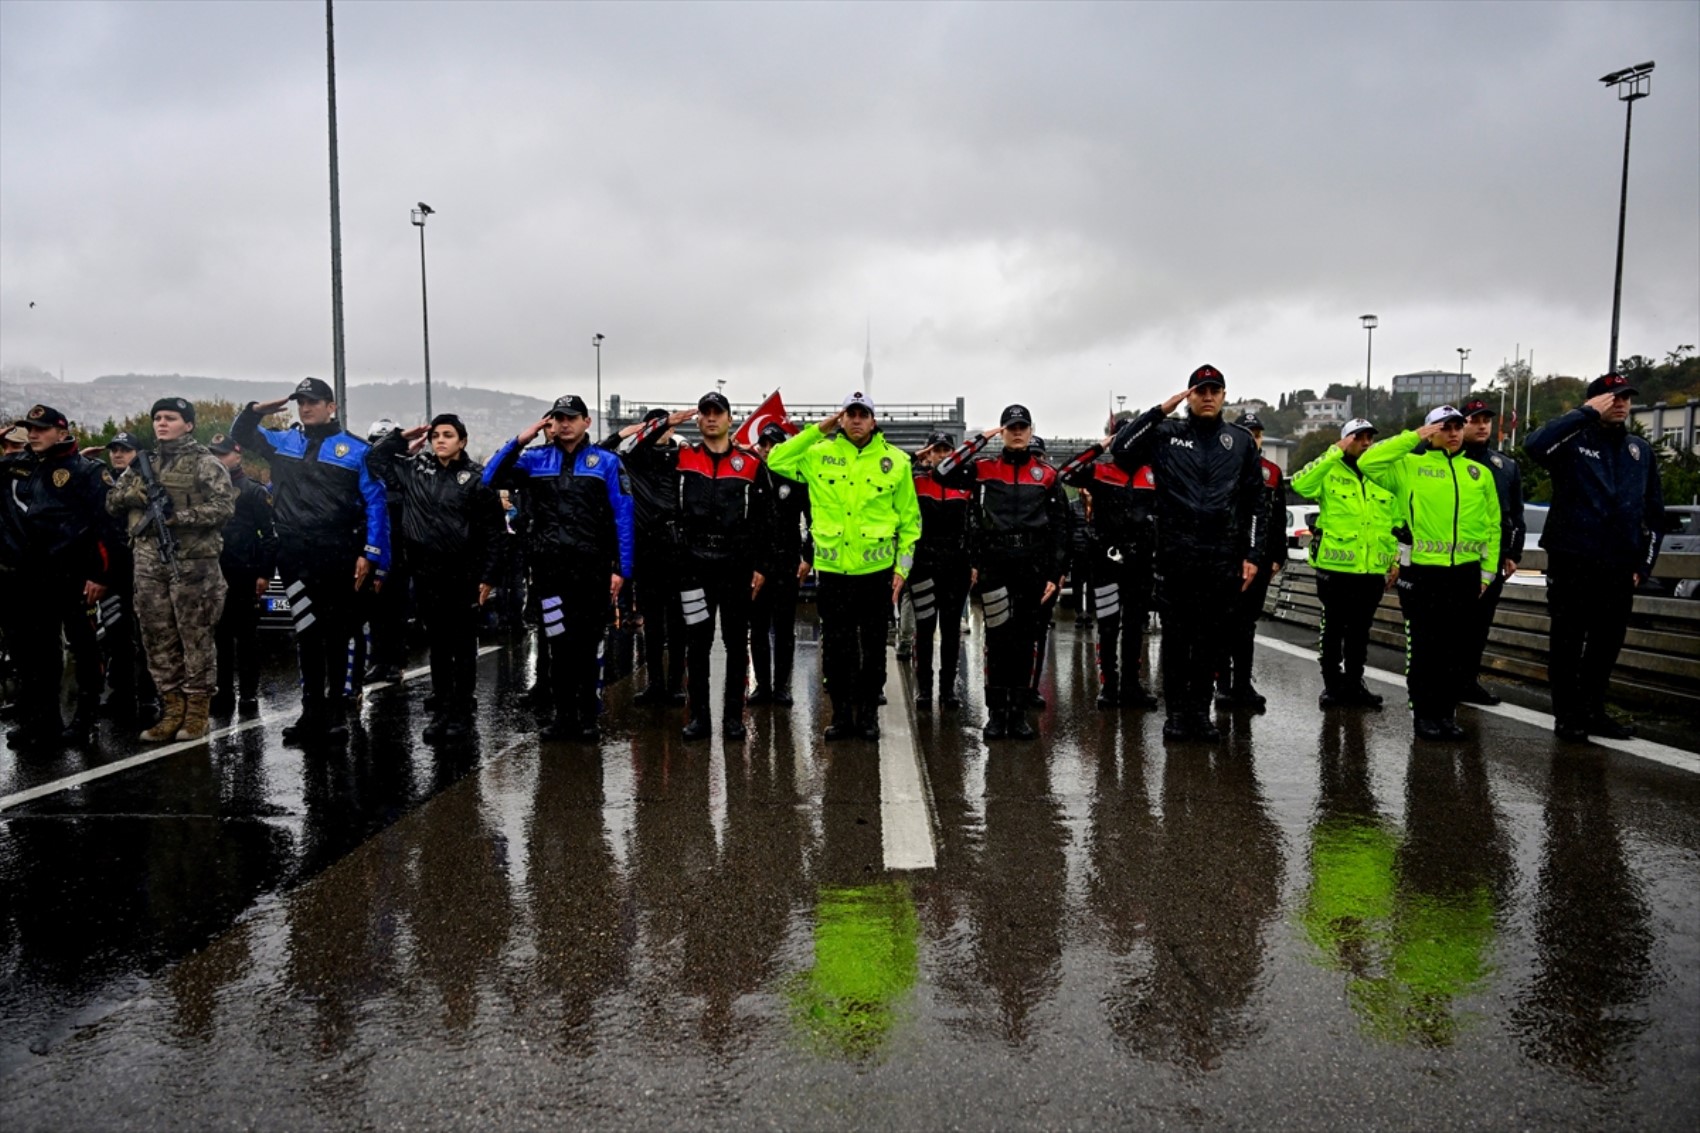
x: 1316, y: 926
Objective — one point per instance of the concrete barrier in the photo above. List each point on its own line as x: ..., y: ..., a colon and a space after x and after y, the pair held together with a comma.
x: 1658, y: 667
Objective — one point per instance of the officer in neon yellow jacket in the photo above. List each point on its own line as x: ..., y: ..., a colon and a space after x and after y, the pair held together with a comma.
x: 866, y: 521
x: 1355, y: 556
x: 1452, y: 509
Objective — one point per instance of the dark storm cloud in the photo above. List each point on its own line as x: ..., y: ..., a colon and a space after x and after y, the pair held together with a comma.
x: 1091, y: 197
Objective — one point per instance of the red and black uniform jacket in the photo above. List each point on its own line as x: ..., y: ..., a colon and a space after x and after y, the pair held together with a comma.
x: 944, y: 523
x: 725, y: 506
x: 1121, y: 501
x: 1020, y: 511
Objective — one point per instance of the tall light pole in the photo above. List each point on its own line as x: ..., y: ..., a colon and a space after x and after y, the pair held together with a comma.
x: 596, y: 341
x: 1463, y: 353
x: 419, y: 214
x: 1370, y: 323
x: 1631, y: 83
x: 340, y: 375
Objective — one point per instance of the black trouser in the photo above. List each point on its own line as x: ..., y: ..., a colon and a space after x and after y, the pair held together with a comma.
x: 1010, y: 589
x: 775, y: 612
x: 40, y: 607
x: 237, y: 637
x: 573, y: 604
x: 324, y: 607
x: 448, y: 602
x: 1589, y: 605
x: 1485, y: 607
x: 658, y: 585
x: 1121, y: 600
x: 1439, y: 616
x: 855, y: 610
x: 1197, y: 602
x: 386, y: 613
x: 716, y: 590
x: 936, y: 594
x: 1242, y: 632
x: 1349, y: 602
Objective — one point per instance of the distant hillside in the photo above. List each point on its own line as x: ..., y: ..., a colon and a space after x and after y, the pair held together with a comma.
x: 491, y: 416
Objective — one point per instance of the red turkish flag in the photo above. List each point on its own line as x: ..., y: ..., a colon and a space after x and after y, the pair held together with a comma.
x: 769, y: 412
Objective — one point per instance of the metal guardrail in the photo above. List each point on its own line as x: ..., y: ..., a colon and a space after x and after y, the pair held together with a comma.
x: 1658, y: 667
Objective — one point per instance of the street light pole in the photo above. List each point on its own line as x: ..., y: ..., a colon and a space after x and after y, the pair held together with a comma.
x: 596, y: 341
x: 1463, y: 353
x: 340, y: 375
x: 1632, y: 83
x: 1370, y: 323
x: 419, y: 214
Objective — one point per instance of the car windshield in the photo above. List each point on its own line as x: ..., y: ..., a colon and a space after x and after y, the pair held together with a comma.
x: 1681, y: 521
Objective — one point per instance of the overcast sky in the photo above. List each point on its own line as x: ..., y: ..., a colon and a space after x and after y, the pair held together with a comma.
x: 1049, y: 203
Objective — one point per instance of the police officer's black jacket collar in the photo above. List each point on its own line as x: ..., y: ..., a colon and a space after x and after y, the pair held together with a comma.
x: 1017, y: 456
x: 1204, y: 424
x: 64, y: 450
x: 319, y: 432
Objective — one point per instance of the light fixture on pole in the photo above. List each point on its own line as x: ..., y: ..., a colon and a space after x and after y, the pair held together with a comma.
x: 596, y: 341
x: 1370, y: 323
x: 1463, y: 353
x: 419, y: 214
x: 1631, y: 83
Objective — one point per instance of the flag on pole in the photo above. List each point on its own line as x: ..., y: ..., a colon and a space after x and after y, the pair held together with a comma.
x: 769, y: 412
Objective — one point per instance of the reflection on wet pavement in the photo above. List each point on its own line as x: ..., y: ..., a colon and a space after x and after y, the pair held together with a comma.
x: 1315, y: 923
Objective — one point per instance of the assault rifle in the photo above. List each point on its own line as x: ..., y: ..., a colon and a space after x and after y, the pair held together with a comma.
x: 158, y: 511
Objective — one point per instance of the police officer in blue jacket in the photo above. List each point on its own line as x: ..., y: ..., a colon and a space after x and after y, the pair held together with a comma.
x: 333, y: 541
x: 579, y: 547
x: 1601, y: 540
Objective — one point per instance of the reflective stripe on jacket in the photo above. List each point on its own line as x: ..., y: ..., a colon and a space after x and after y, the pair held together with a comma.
x: 865, y: 515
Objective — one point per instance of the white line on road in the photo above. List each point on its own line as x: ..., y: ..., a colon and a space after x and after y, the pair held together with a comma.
x: 1644, y: 749
x: 141, y: 759
x: 906, y: 824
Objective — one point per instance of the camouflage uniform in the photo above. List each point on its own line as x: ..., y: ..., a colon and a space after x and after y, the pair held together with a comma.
x: 177, y: 606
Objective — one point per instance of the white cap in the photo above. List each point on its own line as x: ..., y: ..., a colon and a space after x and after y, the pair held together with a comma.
x: 1356, y: 425
x: 1442, y: 413
x: 859, y: 398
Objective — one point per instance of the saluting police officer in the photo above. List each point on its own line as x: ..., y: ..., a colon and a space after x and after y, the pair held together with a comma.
x: 579, y: 545
x: 177, y: 602
x: 58, y: 531
x: 1211, y: 512
x: 1508, y: 482
x: 1601, y: 541
x: 725, y: 526
x: 939, y: 584
x: 1453, y: 513
x: 866, y: 522
x: 248, y: 560
x: 1020, y: 554
x: 655, y: 499
x: 1353, y: 551
x: 1233, y: 679
x: 1118, y: 595
x: 773, y: 618
x: 333, y: 535
x: 450, y: 546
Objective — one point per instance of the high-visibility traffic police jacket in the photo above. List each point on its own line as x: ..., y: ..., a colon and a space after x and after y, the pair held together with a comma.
x: 865, y: 515
x: 1449, y: 501
x: 1354, y: 533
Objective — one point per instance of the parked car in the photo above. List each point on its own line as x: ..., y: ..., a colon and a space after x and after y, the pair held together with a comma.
x: 1300, y: 522
x: 1682, y: 536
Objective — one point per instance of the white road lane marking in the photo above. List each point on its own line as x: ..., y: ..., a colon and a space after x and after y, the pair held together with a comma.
x: 70, y: 782
x: 906, y: 820
x: 1644, y: 749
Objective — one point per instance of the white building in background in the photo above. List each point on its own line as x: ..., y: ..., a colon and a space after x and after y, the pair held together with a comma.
x: 1434, y: 387
x: 1673, y: 424
x: 1323, y: 413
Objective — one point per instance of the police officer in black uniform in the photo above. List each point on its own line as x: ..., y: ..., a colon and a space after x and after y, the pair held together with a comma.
x: 655, y: 495
x: 248, y: 560
x: 1020, y: 551
x: 579, y: 544
x: 1508, y: 482
x: 1123, y: 537
x: 383, y: 648
x: 725, y: 526
x: 939, y: 581
x: 1601, y: 541
x: 1211, y: 509
x: 773, y: 617
x: 333, y: 537
x: 1233, y: 678
x: 57, y: 545
x: 450, y: 545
